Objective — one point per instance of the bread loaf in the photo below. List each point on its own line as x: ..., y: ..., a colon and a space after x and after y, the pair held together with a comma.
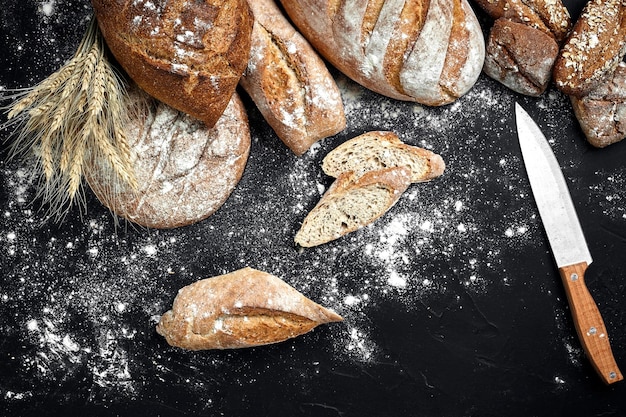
x: 241, y: 309
x: 381, y: 149
x: 523, y: 43
x: 594, y: 48
x: 520, y: 57
x: 430, y: 52
x: 185, y: 170
x: 352, y: 202
x: 188, y: 54
x: 289, y: 82
x: 602, y: 112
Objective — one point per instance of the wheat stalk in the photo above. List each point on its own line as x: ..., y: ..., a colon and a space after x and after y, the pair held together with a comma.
x: 75, y: 116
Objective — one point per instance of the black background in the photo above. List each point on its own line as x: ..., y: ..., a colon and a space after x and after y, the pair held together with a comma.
x: 502, y: 346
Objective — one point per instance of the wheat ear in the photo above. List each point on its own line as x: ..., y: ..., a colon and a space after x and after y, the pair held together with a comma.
x: 75, y: 116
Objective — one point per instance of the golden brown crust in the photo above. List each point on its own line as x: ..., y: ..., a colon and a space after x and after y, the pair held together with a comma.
x: 397, y: 51
x: 189, y: 55
x: 185, y: 170
x: 241, y: 309
x: 289, y: 82
x: 594, y: 48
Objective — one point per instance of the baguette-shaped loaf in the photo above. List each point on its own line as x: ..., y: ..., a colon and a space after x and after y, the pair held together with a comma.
x: 430, y: 52
x: 289, y: 82
x: 602, y: 112
x: 352, y: 202
x: 188, y: 54
x: 184, y: 170
x: 381, y: 149
x: 594, y: 48
x: 244, y: 308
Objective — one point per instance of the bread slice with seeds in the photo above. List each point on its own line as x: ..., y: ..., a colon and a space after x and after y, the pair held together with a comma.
x: 353, y: 201
x: 381, y: 149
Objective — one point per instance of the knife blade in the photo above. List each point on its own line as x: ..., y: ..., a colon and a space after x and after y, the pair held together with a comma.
x: 567, y: 243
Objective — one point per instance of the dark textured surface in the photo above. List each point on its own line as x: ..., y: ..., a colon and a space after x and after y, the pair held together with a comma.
x: 452, y: 302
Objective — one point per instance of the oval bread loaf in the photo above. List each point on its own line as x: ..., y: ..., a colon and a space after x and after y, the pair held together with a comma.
x: 241, y: 309
x: 353, y: 201
x: 188, y: 54
x: 289, y: 82
x: 430, y: 52
x: 185, y: 170
x: 602, y: 112
x: 382, y: 149
x: 593, y: 49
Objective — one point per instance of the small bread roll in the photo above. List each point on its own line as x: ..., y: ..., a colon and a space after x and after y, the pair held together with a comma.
x: 241, y: 309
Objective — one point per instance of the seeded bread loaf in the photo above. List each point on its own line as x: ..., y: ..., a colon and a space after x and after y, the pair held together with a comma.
x: 594, y: 48
x: 241, y: 309
x: 381, y: 149
x: 352, y: 202
x: 289, y: 82
x: 185, y: 170
x: 430, y: 52
x: 188, y: 54
x: 602, y: 112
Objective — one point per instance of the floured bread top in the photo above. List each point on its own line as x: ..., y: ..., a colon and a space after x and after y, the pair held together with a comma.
x: 185, y: 170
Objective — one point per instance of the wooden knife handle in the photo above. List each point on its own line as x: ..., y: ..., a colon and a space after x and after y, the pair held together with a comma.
x: 589, y: 324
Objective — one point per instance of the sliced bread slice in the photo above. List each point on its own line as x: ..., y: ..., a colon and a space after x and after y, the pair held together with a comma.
x: 381, y: 149
x: 352, y: 202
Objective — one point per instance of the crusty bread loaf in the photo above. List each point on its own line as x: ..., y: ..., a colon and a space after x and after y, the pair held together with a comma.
x: 185, y: 170
x: 430, y: 52
x: 381, y: 149
x: 548, y: 16
x: 523, y: 43
x: 520, y: 57
x: 241, y: 309
x: 289, y: 82
x: 188, y: 54
x: 594, y: 48
x: 602, y: 112
x: 352, y: 202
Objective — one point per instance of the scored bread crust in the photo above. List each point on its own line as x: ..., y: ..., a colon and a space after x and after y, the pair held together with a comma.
x: 184, y: 170
x: 430, y: 52
x: 602, y: 112
x: 289, y: 82
x: 352, y: 202
x: 382, y: 149
x: 594, y: 48
x: 188, y: 54
x: 244, y: 308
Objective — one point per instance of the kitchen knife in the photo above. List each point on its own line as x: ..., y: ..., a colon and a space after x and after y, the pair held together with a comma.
x: 567, y: 242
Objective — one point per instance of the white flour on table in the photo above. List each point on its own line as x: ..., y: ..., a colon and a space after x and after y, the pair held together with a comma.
x: 119, y: 281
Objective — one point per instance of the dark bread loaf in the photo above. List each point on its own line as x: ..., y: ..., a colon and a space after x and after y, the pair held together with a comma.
x: 430, y: 52
x: 188, y: 54
x: 185, y: 170
x: 602, y: 112
x: 289, y: 82
x: 594, y: 48
x: 523, y: 43
x: 520, y: 57
x: 241, y: 309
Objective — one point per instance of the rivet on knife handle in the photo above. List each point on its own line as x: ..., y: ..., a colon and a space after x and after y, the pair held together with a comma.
x: 589, y: 324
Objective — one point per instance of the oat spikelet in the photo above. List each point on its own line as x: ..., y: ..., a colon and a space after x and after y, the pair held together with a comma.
x: 76, y: 115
